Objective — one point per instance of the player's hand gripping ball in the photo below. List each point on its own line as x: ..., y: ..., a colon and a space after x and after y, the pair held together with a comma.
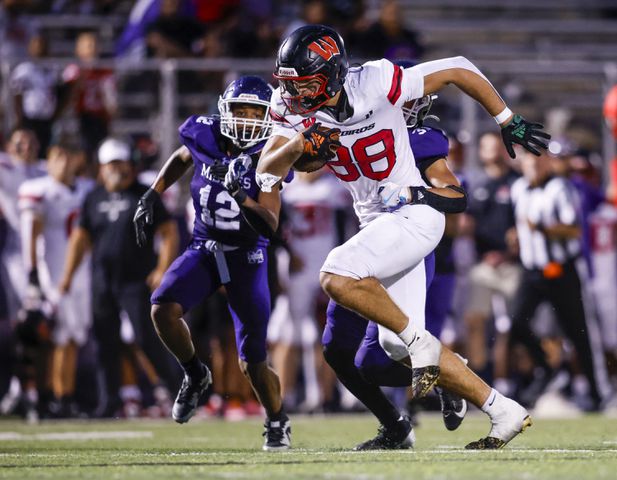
x: 320, y: 145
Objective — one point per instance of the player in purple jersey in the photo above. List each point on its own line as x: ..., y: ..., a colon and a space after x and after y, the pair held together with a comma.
x: 226, y: 248
x: 351, y: 343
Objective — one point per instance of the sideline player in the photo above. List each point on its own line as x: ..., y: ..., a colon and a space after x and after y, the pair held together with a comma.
x: 322, y: 109
x: 225, y: 249
x: 49, y: 208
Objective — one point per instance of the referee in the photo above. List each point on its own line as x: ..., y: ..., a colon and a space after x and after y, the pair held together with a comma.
x: 548, y: 228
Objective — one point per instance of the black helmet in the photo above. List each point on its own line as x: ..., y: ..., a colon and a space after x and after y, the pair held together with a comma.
x: 315, y: 55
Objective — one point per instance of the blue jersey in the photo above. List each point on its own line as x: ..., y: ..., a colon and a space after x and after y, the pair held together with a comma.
x: 217, y: 215
x: 427, y: 144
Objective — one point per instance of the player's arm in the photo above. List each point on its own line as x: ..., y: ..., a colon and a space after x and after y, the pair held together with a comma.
x: 169, y: 241
x: 280, y: 153
x: 31, y: 228
x: 172, y: 170
x: 277, y: 157
x: 79, y: 243
x: 262, y: 215
x: 468, y: 78
x: 175, y: 166
x: 445, y: 194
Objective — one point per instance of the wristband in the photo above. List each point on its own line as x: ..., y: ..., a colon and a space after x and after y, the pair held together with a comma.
x: 503, y: 116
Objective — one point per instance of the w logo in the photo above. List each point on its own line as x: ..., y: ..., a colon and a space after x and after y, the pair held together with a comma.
x: 325, y: 47
x: 307, y: 122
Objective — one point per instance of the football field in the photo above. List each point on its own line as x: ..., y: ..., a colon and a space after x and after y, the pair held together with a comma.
x: 583, y: 448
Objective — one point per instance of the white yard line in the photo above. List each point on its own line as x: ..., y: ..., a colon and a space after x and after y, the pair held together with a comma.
x: 13, y: 436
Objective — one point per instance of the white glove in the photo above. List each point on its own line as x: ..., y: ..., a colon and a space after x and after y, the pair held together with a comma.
x: 238, y: 167
x: 394, y: 196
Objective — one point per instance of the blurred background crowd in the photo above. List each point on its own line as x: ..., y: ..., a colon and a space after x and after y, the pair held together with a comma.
x: 73, y: 73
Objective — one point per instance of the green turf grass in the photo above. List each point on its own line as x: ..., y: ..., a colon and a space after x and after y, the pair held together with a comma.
x: 584, y: 448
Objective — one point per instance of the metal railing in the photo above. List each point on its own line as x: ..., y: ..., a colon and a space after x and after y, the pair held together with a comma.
x: 169, y: 96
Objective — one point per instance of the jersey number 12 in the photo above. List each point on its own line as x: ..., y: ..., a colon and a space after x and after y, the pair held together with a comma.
x: 226, y: 210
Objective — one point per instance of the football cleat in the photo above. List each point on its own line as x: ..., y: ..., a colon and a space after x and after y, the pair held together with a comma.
x: 399, y: 436
x: 424, y: 353
x: 510, y: 420
x: 277, y: 434
x: 188, y: 397
x: 453, y: 408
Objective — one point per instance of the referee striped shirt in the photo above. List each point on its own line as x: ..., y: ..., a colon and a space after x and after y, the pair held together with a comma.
x: 553, y: 202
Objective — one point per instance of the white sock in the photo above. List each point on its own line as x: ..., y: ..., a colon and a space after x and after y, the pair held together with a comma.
x: 409, y: 334
x: 492, y: 402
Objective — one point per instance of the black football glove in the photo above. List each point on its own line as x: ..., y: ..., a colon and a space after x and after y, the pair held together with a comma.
x: 217, y: 171
x: 321, y: 143
x: 529, y: 135
x: 144, y: 215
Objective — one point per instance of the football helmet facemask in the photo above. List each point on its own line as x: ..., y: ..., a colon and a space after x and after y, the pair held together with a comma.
x: 244, y: 131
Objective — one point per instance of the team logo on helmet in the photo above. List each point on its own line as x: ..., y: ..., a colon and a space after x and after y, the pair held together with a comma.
x: 325, y: 47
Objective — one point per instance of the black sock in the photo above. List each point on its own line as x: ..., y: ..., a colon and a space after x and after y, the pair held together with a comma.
x: 279, y: 416
x: 342, y: 362
x: 193, y: 368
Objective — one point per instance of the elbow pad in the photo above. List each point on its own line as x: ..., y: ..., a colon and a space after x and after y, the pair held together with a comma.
x: 421, y: 195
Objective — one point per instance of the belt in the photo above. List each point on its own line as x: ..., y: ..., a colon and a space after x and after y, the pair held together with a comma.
x: 218, y: 249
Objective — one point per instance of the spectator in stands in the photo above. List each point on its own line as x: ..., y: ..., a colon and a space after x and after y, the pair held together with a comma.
x: 94, y: 92
x: 496, y: 276
x: 36, y: 90
x: 123, y: 274
x: 312, y: 12
x: 173, y: 34
x: 388, y: 37
x: 15, y: 30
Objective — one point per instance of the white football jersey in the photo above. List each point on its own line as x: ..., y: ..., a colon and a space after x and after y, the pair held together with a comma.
x: 59, y: 207
x: 12, y: 175
x: 375, y: 144
x: 311, y: 207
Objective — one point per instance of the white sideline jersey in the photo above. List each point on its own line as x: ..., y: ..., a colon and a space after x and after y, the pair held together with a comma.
x: 12, y: 175
x: 375, y: 144
x: 311, y: 207
x: 58, y: 206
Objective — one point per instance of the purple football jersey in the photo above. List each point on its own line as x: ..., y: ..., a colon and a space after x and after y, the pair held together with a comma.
x: 217, y: 215
x: 427, y: 142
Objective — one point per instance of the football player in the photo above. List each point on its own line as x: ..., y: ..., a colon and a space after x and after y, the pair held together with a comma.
x: 49, y: 208
x: 225, y: 249
x: 353, y: 117
x: 359, y: 348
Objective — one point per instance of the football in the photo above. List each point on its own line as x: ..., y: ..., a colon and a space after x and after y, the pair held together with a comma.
x: 309, y: 163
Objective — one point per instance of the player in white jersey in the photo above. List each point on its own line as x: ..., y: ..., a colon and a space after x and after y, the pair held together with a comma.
x: 49, y: 208
x: 20, y: 163
x: 311, y: 203
x: 322, y: 109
